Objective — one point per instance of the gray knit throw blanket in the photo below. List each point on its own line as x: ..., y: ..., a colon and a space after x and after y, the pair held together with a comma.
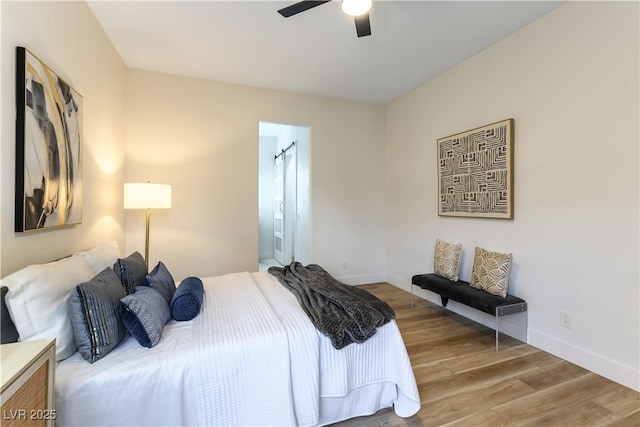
x: 346, y: 314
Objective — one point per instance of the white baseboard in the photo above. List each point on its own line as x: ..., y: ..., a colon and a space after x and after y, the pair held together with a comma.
x: 362, y: 279
x: 611, y: 369
x: 601, y: 365
x: 399, y: 282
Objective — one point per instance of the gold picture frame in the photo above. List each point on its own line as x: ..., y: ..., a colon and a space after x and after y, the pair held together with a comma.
x: 48, y: 147
x: 475, y: 172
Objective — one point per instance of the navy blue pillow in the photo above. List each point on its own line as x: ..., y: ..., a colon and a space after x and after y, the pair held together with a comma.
x: 131, y: 271
x: 144, y: 314
x: 95, y: 316
x: 186, y: 302
x: 161, y: 280
x: 9, y: 333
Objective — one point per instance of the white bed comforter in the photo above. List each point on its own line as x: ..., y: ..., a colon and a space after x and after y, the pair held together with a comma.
x: 251, y: 357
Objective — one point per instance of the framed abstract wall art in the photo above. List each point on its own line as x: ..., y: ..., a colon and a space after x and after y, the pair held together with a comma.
x: 475, y: 172
x: 48, y: 147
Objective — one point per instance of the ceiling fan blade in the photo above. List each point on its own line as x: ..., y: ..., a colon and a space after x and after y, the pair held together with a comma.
x: 300, y: 7
x: 363, y: 26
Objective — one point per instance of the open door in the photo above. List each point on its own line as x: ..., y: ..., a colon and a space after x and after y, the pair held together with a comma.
x: 278, y: 210
x: 284, y: 224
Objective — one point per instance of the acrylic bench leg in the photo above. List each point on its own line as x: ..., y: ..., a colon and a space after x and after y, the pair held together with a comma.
x: 497, y: 332
x: 412, y: 295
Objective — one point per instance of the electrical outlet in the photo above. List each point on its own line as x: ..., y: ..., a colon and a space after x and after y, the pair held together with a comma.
x: 566, y: 319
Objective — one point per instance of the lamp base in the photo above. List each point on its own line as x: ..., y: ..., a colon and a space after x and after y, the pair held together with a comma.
x: 146, y: 239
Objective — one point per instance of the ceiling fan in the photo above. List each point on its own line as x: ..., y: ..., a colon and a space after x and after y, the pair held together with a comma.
x: 359, y: 9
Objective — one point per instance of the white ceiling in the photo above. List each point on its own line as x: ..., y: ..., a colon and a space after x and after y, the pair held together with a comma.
x: 315, y: 52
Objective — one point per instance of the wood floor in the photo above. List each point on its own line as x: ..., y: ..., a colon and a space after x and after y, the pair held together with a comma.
x: 464, y: 382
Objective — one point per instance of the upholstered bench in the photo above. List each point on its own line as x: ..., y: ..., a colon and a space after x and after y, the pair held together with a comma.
x: 463, y: 293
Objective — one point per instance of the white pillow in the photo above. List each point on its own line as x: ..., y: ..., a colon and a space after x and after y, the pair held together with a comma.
x: 37, y: 301
x: 101, y: 257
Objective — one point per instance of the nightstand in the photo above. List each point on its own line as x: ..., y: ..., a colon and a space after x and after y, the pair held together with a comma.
x: 27, y: 374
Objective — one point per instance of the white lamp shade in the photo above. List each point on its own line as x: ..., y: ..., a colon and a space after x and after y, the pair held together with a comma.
x: 356, y: 7
x: 138, y: 195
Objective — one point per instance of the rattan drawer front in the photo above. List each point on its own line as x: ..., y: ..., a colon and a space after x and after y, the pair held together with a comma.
x: 28, y: 405
x: 27, y: 384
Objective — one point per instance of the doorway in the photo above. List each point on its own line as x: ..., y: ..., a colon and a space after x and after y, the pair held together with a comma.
x: 283, y: 194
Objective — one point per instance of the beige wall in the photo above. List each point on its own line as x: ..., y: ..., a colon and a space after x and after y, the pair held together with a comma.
x: 66, y: 37
x: 199, y: 136
x: 570, y: 81
x: 202, y: 138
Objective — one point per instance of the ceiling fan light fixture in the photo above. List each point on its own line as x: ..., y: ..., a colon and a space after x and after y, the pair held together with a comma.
x: 356, y: 7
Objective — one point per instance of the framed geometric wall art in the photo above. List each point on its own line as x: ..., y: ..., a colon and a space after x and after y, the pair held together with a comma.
x: 475, y: 172
x: 48, y: 147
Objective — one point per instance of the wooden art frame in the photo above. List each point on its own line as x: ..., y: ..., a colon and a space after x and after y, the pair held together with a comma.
x: 48, y: 147
x: 475, y: 172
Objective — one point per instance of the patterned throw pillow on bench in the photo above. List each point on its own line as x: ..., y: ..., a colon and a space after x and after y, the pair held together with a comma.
x: 491, y: 272
x: 446, y: 261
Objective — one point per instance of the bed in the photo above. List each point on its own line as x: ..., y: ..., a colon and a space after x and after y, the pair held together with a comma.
x: 250, y: 357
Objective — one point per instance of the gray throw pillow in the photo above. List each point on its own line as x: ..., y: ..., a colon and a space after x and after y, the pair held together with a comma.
x: 95, y: 315
x: 131, y: 271
x: 161, y: 280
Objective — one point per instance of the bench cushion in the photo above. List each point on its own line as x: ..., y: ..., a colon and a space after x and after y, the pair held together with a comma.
x: 463, y: 293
